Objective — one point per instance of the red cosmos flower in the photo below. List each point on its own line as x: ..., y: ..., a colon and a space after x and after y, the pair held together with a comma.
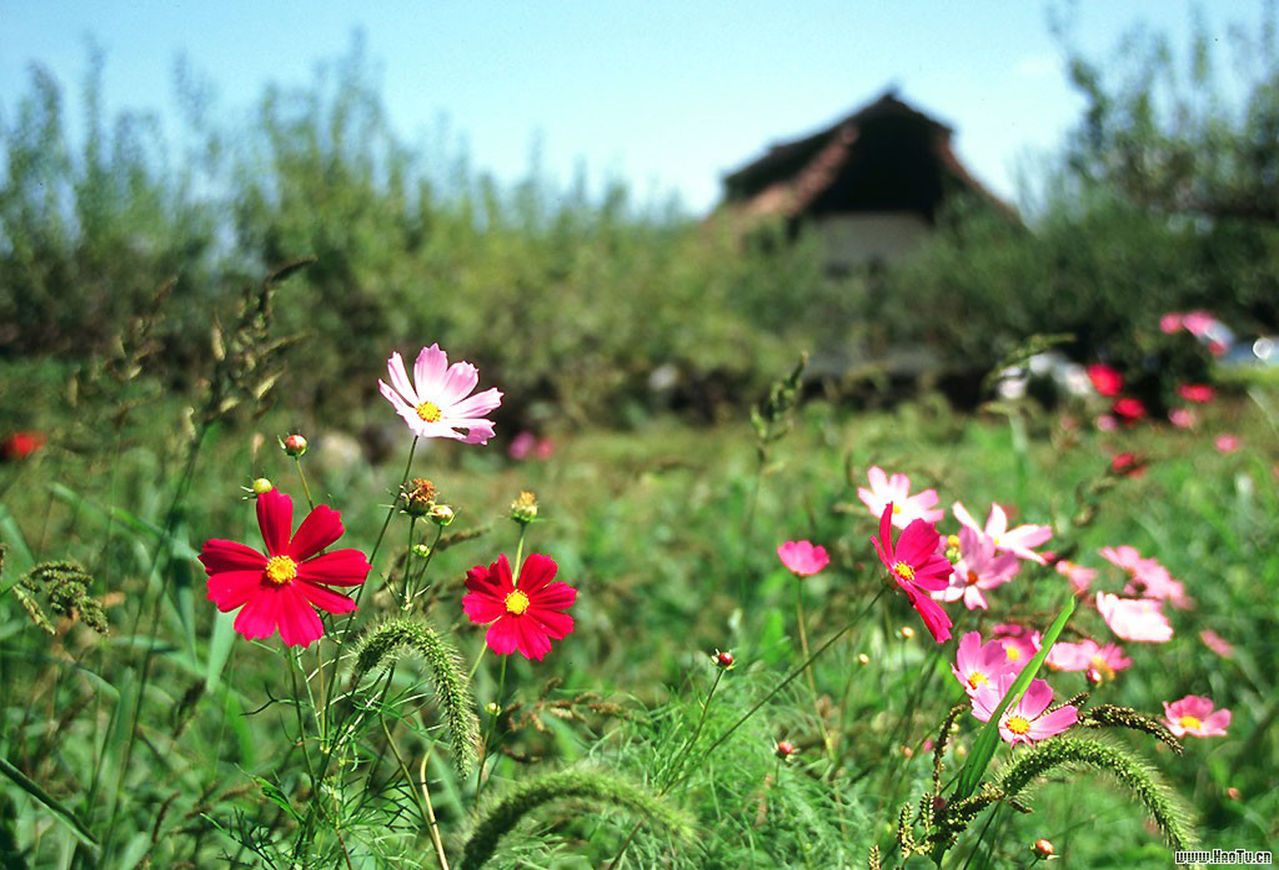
x: 1196, y: 393
x: 525, y: 616
x: 1106, y: 381
x: 1127, y: 465
x: 914, y: 564
x: 1129, y: 409
x: 281, y: 588
x: 20, y: 445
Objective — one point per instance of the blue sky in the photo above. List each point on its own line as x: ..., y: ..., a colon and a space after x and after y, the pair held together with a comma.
x: 665, y: 95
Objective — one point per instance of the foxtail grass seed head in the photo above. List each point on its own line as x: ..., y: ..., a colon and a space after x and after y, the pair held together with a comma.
x: 440, y: 514
x: 723, y: 659
x: 294, y: 445
x: 524, y: 508
x: 418, y: 496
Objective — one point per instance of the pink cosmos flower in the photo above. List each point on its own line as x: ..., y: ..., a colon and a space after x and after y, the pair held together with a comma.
x: 279, y: 590
x: 1226, y: 443
x: 522, y: 445
x: 1027, y: 721
x: 1107, y: 381
x: 1198, y: 322
x: 1193, y: 715
x: 1080, y: 577
x: 524, y: 616
x: 977, y: 665
x: 1017, y: 541
x: 1107, y: 423
x: 1020, y: 643
x: 978, y: 569
x: 1199, y: 393
x: 1170, y: 323
x: 896, y: 491
x: 1147, y: 578
x: 915, y: 566
x: 441, y: 404
x: 1088, y: 655
x: 1182, y: 418
x: 1217, y: 643
x: 802, y: 558
x: 1135, y: 619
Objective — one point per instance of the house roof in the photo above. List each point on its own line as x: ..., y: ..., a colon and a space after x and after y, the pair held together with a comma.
x: 884, y: 156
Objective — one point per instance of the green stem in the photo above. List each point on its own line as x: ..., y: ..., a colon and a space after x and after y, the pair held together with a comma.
x: 489, y: 731
x: 306, y: 488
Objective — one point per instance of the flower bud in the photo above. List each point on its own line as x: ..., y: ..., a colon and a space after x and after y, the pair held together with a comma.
x: 953, y: 548
x: 440, y: 514
x: 723, y: 660
x: 294, y: 445
x: 1043, y: 849
x: 421, y: 550
x: 261, y: 486
x: 784, y: 749
x: 524, y: 508
x: 418, y: 496
x: 492, y: 708
x: 906, y: 632
x: 862, y: 658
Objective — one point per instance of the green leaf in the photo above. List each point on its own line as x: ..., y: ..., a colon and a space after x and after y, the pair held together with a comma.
x: 221, y: 641
x: 33, y: 788
x: 21, y: 558
x: 988, y: 738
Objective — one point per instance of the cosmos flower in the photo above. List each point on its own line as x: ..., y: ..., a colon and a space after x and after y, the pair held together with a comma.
x: 802, y: 557
x: 1107, y: 381
x: 281, y: 589
x: 916, y: 568
x: 523, y: 616
x: 441, y: 404
x: 1020, y: 643
x: 895, y: 490
x: 1198, y: 393
x: 1217, y: 643
x: 1027, y: 721
x: 1079, y: 576
x: 1226, y: 443
x: 1017, y: 541
x: 1135, y: 619
x: 1182, y: 418
x: 1193, y: 715
x: 976, y: 664
x: 1146, y: 577
x: 1128, y: 409
x: 979, y: 568
x: 1088, y: 655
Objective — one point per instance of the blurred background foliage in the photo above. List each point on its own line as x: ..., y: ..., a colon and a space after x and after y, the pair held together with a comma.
x: 1164, y: 198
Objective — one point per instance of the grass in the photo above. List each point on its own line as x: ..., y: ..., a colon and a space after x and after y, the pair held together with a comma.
x: 651, y: 525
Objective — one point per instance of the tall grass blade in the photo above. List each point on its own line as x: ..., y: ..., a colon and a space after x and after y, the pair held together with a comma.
x: 33, y: 788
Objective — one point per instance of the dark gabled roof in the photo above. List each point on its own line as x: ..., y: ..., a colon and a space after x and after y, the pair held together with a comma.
x: 844, y: 163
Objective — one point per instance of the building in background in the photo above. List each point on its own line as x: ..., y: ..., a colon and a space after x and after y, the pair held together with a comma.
x: 870, y: 185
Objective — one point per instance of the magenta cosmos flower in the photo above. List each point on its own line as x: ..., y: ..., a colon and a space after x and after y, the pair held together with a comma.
x: 441, y: 404
x: 1136, y: 619
x: 1020, y: 643
x: 978, y: 569
x: 1017, y: 541
x: 524, y: 616
x: 1147, y: 578
x: 916, y: 568
x: 1027, y: 721
x: 803, y: 558
x: 1101, y: 662
x: 279, y: 590
x: 895, y: 490
x: 1193, y: 715
x: 976, y: 664
x: 1080, y: 577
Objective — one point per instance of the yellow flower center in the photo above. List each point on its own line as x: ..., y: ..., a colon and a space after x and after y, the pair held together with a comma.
x: 1099, y: 665
x: 1012, y: 652
x: 897, y: 509
x: 516, y: 602
x: 280, y: 570
x: 1018, y: 724
x: 904, y: 571
x: 1190, y: 723
x: 977, y: 678
x: 428, y: 411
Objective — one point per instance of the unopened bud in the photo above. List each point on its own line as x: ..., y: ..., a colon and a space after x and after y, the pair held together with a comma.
x: 492, y: 708
x: 1043, y: 849
x: 421, y: 550
x: 440, y: 514
x: 863, y: 658
x: 261, y: 486
x: 722, y: 660
x: 294, y: 445
x: 524, y: 508
x: 953, y: 548
x: 906, y: 632
x: 784, y: 749
x: 1233, y: 793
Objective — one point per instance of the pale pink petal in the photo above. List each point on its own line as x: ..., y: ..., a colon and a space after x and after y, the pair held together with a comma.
x: 320, y: 529
x: 428, y: 373
x: 460, y: 379
x: 997, y: 522
x: 479, y: 433
x: 1217, y: 723
x: 1053, y: 723
x: 478, y: 405
x: 400, y: 381
x: 965, y: 518
x: 275, y: 519
x: 1038, y: 698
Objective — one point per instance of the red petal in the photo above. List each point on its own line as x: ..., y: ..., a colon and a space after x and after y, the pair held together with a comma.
x: 482, y: 608
x: 275, y: 519
x: 219, y: 555
x: 552, y: 622
x: 486, y: 581
x: 537, y: 571
x: 531, y: 641
x: 501, y: 636
x: 299, y: 623
x: 556, y: 596
x: 934, y: 616
x: 232, y: 589
x: 259, y: 616
x: 320, y: 529
x: 339, y: 568
x: 917, y: 542
x: 325, y: 599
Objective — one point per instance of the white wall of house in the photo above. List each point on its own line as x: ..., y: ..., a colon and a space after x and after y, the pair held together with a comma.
x: 851, y: 240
